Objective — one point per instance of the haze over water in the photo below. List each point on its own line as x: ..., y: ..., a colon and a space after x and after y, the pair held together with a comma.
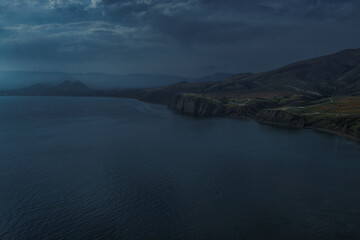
x: 102, y: 168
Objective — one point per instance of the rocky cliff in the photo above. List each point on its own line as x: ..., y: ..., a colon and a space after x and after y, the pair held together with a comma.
x: 205, y: 106
x: 190, y: 104
x: 266, y: 112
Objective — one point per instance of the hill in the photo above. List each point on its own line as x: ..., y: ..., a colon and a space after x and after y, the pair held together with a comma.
x: 335, y: 74
x: 66, y: 88
x: 214, y: 77
x: 21, y: 79
x: 321, y: 93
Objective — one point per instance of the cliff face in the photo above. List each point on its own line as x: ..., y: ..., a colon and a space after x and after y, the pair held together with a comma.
x: 191, y: 104
x: 196, y: 106
x: 202, y: 106
x: 349, y: 126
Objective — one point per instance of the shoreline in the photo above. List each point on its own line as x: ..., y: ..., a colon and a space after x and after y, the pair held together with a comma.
x: 279, y: 124
x: 202, y: 107
x: 323, y: 130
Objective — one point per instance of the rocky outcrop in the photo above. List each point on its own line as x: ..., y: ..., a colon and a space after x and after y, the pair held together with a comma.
x: 203, y: 106
x: 348, y: 126
x: 200, y: 105
x: 196, y: 106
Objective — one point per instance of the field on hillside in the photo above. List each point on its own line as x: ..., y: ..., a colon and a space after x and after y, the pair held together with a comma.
x: 333, y: 107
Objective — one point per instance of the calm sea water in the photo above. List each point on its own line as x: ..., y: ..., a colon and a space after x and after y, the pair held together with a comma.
x: 97, y: 168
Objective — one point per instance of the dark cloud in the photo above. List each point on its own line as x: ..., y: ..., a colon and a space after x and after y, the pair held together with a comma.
x: 172, y: 36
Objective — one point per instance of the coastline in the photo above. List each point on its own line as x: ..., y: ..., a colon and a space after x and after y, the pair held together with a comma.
x: 222, y: 113
x: 335, y: 133
x: 206, y: 108
x: 324, y: 130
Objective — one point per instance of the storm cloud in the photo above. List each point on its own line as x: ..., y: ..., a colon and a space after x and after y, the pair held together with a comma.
x: 180, y: 37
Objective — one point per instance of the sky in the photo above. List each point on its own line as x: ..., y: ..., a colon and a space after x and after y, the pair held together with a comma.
x: 188, y: 38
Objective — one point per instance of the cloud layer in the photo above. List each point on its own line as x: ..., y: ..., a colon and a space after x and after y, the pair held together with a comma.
x: 181, y: 37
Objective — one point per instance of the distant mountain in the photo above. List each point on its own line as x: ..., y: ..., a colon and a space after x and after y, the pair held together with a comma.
x: 334, y: 74
x: 215, y: 77
x: 20, y: 79
x: 321, y: 93
x: 66, y: 88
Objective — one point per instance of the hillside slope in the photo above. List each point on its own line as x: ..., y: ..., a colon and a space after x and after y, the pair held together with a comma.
x: 66, y: 88
x: 321, y: 93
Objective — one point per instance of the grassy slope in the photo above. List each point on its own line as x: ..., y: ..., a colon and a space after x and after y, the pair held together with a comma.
x: 339, y: 114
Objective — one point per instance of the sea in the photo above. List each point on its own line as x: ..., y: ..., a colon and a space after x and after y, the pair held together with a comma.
x: 76, y: 168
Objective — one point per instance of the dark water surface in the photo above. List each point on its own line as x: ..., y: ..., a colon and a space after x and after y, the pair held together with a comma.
x: 97, y: 168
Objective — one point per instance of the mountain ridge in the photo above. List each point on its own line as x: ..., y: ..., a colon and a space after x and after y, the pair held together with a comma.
x: 66, y: 88
x: 21, y: 79
x: 320, y: 93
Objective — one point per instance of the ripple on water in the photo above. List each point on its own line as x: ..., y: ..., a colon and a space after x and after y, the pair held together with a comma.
x: 94, y: 168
